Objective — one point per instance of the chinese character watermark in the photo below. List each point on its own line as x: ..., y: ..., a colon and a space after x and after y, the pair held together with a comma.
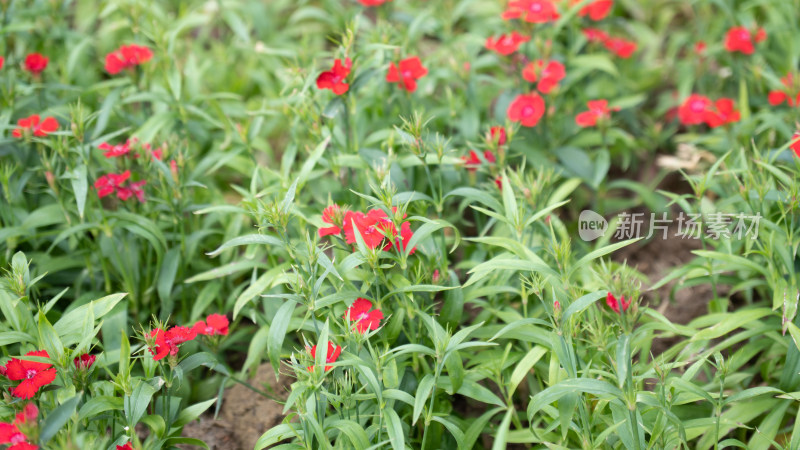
x: 715, y: 226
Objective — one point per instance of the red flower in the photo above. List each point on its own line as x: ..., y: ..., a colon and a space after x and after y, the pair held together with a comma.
x: 115, y: 151
x: 473, y: 161
x: 547, y: 73
x: 35, y: 63
x: 214, y: 325
x: 700, y: 48
x: 107, y: 184
x: 374, y: 227
x: 497, y: 134
x: 11, y: 434
x: 506, y: 44
x: 761, y: 35
x: 790, y: 93
x: 127, y: 56
x: 124, y: 193
x: 723, y: 113
x: 2, y: 61
x: 330, y: 357
x: 612, y: 303
x: 406, y: 73
x: 526, y: 109
x: 31, y: 123
x: 331, y: 215
x: 595, y: 35
x: 598, y: 110
x: 34, y: 374
x: 334, y: 78
x: 795, y: 145
x: 596, y: 10
x: 127, y: 446
x: 694, y: 110
x: 168, y: 342
x: 740, y: 40
x: 620, y: 47
x: 534, y: 11
x: 365, y: 319
x: 373, y: 2
x: 85, y: 361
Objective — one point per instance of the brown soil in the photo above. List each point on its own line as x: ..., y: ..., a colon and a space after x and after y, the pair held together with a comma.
x: 245, y: 415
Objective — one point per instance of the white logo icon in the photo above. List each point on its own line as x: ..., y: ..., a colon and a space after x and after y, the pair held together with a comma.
x: 591, y: 225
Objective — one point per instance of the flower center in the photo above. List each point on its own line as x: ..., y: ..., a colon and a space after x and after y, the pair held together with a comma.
x: 17, y: 439
x: 30, y: 374
x: 536, y: 7
x: 527, y: 111
x: 407, y: 74
x: 362, y: 316
x: 698, y: 106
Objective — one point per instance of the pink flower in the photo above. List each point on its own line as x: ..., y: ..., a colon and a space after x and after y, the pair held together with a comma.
x: 359, y: 312
x: 115, y: 151
x: 526, y: 109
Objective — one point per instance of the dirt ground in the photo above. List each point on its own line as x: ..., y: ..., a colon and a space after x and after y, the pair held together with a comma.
x: 244, y: 416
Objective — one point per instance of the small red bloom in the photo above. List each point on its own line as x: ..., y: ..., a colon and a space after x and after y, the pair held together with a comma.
x: 534, y: 11
x: 723, y: 113
x: 334, y: 79
x: 614, y: 304
x: 795, y: 145
x: 35, y: 375
x: 700, y: 48
x: 32, y: 124
x: 330, y: 357
x: 694, y: 110
x: 214, y: 325
x: 127, y: 446
x: 596, y: 10
x: 115, y: 151
x: 526, y: 109
x: 598, y: 110
x: 740, y: 40
x: 35, y: 63
x: 506, y: 44
x: 548, y: 73
x: 473, y: 161
x: 790, y: 92
x: 85, y: 361
x: 133, y: 189
x: 331, y: 215
x: 406, y: 73
x: 497, y: 134
x: 620, y: 47
x: 761, y: 35
x: 2, y: 61
x: 595, y: 35
x: 127, y: 56
x: 365, y: 319
x: 374, y: 227
x: 107, y: 184
x: 373, y: 2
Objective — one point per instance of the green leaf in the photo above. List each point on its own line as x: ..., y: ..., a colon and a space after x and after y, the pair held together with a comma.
x: 502, y: 435
x: 166, y: 277
x: 582, y: 303
x: 192, y: 412
x: 80, y: 187
x: 136, y: 404
x: 249, y: 239
x: 99, y: 404
x: 49, y: 338
x: 277, y: 333
x: 423, y: 392
x: 57, y: 418
x: 394, y: 429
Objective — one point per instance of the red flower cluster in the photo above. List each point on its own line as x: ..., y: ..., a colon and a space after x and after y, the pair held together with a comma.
x: 214, y: 325
x: 740, y: 39
x: 697, y: 109
x: 85, y: 361
x: 533, y: 11
x: 598, y: 111
x: 506, y: 44
x: 406, y: 73
x: 547, y: 73
x: 118, y: 150
x: 108, y: 184
x: 34, y: 375
x: 497, y: 134
x: 596, y: 10
x: 330, y: 357
x: 334, y: 79
x: 616, y: 45
x: 614, y: 304
x: 526, y: 109
x: 127, y: 56
x: 35, y: 63
x: 375, y: 228
x: 33, y: 125
x: 359, y: 312
x: 473, y: 161
x: 11, y: 434
x: 789, y: 94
